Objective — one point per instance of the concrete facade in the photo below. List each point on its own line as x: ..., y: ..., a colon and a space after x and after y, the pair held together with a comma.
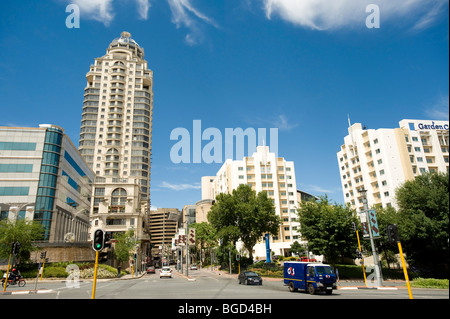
x: 381, y: 160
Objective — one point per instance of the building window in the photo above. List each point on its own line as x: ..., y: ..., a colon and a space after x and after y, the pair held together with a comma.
x: 118, y: 197
x: 14, y: 191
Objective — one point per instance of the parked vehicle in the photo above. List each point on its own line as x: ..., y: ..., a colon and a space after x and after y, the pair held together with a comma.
x: 151, y: 270
x: 311, y: 277
x: 249, y: 278
x: 165, y: 272
x: 194, y: 267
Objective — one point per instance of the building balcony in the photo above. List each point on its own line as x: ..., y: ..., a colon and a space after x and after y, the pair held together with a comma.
x: 116, y: 209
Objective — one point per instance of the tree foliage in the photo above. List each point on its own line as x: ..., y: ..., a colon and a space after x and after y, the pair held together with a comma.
x: 22, y: 231
x: 205, y: 239
x: 328, y: 229
x: 298, y: 249
x: 125, y: 245
x: 423, y: 220
x: 243, y: 215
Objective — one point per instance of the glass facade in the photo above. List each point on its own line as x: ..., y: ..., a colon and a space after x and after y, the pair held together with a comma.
x: 45, y: 198
x: 17, y: 146
x: 16, y: 168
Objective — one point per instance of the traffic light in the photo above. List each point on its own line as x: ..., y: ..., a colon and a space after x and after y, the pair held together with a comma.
x: 15, y: 248
x: 99, y: 240
x: 238, y: 257
x: 392, y: 233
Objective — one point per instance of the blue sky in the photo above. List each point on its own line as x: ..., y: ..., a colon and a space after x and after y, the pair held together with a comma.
x: 301, y: 66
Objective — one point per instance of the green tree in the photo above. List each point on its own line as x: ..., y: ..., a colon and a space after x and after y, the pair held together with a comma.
x: 423, y: 220
x: 22, y: 231
x: 244, y: 215
x: 205, y: 238
x: 125, y: 245
x: 298, y: 248
x: 328, y: 229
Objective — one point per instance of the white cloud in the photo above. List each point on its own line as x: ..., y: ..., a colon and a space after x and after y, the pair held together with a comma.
x: 430, y: 16
x: 440, y: 109
x: 184, y: 14
x: 283, y: 124
x: 335, y: 14
x: 317, y: 189
x: 99, y: 10
x: 143, y: 7
x: 180, y: 187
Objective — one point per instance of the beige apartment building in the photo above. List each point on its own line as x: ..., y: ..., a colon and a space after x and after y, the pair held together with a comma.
x: 381, y: 160
x: 115, y: 138
x: 263, y: 171
x: 163, y: 224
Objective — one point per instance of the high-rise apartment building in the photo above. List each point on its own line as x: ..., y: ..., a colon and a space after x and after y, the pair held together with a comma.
x: 115, y: 137
x: 263, y: 171
x: 380, y: 160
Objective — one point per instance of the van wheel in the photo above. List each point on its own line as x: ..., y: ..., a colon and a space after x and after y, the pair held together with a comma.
x: 291, y: 287
x: 311, y: 289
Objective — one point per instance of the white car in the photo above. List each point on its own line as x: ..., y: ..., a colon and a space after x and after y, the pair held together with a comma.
x: 165, y: 272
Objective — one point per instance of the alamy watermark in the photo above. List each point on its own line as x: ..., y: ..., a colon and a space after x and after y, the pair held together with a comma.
x: 73, y: 19
x: 73, y: 280
x: 373, y: 19
x: 212, y: 151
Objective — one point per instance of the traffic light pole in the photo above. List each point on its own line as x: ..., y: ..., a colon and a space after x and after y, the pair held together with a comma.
x: 7, y: 272
x: 374, y: 252
x: 393, y: 238
x: 95, y: 275
x: 400, y: 250
x: 362, y: 258
x: 98, y: 243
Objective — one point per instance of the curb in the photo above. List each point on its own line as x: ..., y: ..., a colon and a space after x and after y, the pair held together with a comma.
x: 26, y: 292
x: 368, y: 288
x: 189, y: 278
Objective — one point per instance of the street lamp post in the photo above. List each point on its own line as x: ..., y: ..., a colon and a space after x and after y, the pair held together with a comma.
x: 187, y: 243
x: 363, y: 192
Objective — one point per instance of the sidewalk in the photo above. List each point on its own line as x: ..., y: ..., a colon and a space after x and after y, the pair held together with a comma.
x: 385, y: 285
x: 31, y: 283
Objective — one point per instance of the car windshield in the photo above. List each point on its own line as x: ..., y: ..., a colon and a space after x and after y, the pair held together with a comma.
x: 251, y: 274
x: 165, y: 269
x: 324, y: 270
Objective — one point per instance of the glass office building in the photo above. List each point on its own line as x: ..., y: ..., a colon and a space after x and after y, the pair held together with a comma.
x: 44, y: 178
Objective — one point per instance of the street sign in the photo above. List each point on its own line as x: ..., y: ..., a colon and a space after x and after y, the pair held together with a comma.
x: 191, y: 236
x: 374, y: 223
x: 364, y: 225
x: 268, y: 257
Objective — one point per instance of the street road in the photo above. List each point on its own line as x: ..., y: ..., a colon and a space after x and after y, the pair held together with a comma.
x: 203, y: 284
